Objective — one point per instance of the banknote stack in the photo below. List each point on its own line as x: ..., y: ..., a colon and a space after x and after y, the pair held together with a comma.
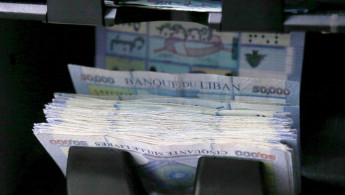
x: 168, y: 121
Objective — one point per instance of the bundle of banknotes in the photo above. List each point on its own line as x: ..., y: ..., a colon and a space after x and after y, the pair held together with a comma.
x: 167, y: 121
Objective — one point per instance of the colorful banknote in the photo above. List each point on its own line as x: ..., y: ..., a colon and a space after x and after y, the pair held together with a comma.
x: 94, y: 81
x: 185, y: 47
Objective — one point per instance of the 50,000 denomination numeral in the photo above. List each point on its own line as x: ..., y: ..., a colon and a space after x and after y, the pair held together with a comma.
x: 97, y: 79
x: 271, y: 90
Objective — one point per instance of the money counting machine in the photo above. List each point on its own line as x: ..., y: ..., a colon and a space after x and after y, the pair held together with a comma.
x: 236, y: 15
x: 25, y: 171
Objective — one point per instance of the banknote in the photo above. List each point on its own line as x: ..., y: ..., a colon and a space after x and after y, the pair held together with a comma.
x: 166, y: 139
x: 104, y: 82
x: 186, y: 47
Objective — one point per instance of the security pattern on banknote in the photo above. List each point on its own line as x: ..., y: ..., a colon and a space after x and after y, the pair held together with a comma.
x: 186, y: 47
x: 167, y: 135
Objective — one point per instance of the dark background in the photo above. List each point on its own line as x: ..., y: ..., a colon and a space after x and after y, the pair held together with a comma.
x: 33, y: 65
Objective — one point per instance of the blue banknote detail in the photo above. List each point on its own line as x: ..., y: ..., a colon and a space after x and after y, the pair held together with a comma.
x: 297, y: 42
x: 193, y: 46
x: 294, y: 87
x: 170, y: 174
x: 126, y: 44
x: 213, y: 55
x: 277, y: 56
x: 264, y: 58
